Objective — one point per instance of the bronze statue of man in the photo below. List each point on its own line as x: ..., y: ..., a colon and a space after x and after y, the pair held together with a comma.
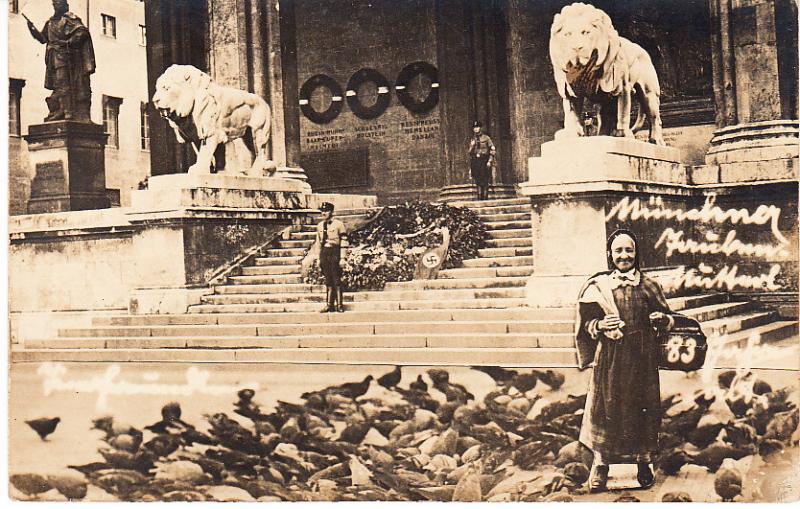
x: 69, y: 58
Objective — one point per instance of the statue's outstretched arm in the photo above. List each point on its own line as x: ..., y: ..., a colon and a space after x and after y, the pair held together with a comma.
x: 35, y: 32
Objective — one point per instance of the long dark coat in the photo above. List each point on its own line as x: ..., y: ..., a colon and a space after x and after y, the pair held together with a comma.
x: 623, y: 414
x: 79, y: 60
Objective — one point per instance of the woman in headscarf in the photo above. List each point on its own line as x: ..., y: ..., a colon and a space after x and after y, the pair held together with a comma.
x: 619, y: 313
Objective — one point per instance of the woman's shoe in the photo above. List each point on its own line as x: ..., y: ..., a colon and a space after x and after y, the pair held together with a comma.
x: 645, y: 475
x: 598, y: 479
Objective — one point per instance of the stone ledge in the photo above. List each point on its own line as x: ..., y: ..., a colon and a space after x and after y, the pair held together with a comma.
x: 595, y: 145
x: 225, y: 181
x: 605, y: 158
x: 597, y: 186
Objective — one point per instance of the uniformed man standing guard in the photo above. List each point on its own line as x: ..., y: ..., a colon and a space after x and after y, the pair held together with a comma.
x: 330, y: 234
x: 482, y: 159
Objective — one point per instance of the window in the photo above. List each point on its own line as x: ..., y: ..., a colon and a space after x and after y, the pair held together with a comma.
x: 109, y: 26
x: 142, y: 35
x: 111, y: 119
x: 144, y: 120
x: 14, y: 97
x: 13, y: 6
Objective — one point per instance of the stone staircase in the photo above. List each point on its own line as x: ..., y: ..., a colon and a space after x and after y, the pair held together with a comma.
x: 470, y: 315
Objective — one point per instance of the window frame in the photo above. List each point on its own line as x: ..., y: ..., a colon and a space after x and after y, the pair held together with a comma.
x: 144, y: 127
x: 111, y: 104
x: 105, y: 19
x: 143, y: 35
x: 15, y: 87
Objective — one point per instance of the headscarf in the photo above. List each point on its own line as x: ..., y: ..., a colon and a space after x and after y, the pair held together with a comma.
x: 612, y: 237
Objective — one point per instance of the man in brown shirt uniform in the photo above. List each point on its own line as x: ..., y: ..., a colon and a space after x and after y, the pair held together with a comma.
x: 330, y: 233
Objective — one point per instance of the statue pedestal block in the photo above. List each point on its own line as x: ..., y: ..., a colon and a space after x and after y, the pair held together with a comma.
x: 69, y: 160
x: 181, y: 190
x: 575, y: 188
x: 595, y: 158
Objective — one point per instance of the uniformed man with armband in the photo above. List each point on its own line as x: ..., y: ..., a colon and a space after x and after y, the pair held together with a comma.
x: 482, y: 155
x: 330, y: 235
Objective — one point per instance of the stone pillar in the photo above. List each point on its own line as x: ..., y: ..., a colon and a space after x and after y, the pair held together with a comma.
x: 69, y: 162
x: 754, y: 51
x: 745, y: 53
x: 283, y: 66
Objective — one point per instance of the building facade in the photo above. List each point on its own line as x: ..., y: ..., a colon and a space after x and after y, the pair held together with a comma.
x: 379, y: 96
x: 119, y: 91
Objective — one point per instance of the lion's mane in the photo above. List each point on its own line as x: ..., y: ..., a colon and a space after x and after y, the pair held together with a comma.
x: 605, y: 40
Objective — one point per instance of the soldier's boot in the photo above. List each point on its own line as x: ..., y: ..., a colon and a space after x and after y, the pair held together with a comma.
x: 329, y: 296
x: 339, y: 299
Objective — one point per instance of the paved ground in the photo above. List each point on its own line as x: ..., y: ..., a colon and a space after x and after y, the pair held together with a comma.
x: 134, y: 393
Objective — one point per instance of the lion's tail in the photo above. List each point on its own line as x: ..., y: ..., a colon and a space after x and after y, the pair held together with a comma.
x: 641, y: 115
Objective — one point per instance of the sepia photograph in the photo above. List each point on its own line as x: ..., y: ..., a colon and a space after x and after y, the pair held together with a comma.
x: 403, y: 251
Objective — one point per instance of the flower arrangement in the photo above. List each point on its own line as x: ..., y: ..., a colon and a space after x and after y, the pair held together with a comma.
x: 388, y: 248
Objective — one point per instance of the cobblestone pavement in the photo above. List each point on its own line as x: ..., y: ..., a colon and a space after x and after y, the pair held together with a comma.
x: 134, y: 393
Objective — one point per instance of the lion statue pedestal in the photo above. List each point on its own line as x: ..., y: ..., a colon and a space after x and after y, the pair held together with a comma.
x: 603, y: 158
x: 210, y: 191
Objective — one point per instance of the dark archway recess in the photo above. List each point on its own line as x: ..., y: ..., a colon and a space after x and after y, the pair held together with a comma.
x: 308, y: 88
x: 407, y: 74
x: 358, y: 108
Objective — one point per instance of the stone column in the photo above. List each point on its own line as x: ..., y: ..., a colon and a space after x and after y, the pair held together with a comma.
x: 754, y: 51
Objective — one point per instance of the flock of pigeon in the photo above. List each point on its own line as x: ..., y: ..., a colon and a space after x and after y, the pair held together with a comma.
x: 430, y: 441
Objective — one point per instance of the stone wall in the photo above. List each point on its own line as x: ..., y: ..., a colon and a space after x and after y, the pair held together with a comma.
x: 737, y: 238
x: 95, y: 260
x: 339, y: 37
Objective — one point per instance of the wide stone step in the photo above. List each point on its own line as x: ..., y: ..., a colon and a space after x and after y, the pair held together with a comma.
x: 508, y: 225
x: 282, y: 252
x: 513, y: 242
x: 412, y: 340
x: 504, y: 209
x: 278, y: 260
x: 499, y: 261
x: 494, y: 252
x: 767, y: 333
x: 271, y: 270
x: 511, y: 357
x: 303, y: 307
x: 400, y: 295
x: 440, y: 315
x: 717, y: 311
x: 483, y: 272
x: 513, y: 216
x: 678, y: 304
x: 266, y: 280
x: 325, y: 329
x: 262, y: 298
x: 484, y: 204
x: 304, y: 235
x: 268, y: 288
x: 485, y: 282
x: 736, y: 323
x: 305, y: 243
x: 511, y: 233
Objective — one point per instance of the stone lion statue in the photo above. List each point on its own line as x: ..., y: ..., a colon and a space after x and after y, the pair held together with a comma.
x: 591, y: 62
x: 211, y: 116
